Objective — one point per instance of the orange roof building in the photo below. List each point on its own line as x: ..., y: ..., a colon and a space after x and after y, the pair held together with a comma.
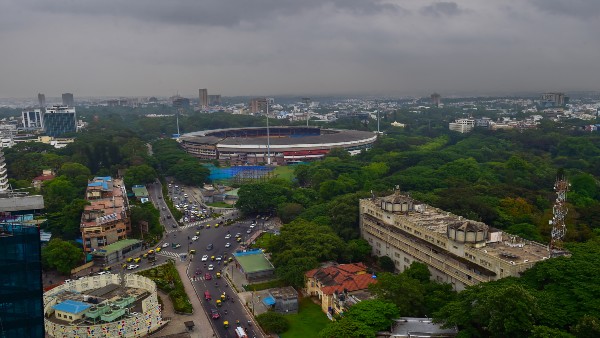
x: 339, y: 286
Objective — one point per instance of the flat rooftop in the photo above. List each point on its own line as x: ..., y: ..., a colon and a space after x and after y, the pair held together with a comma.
x: 253, y: 261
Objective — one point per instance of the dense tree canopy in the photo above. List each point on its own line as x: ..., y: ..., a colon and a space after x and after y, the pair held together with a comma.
x: 62, y: 256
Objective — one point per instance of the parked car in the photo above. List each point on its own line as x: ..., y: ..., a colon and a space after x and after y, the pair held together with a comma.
x: 133, y: 267
x: 204, y: 258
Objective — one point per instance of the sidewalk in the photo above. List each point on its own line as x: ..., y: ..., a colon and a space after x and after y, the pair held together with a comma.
x: 204, y: 328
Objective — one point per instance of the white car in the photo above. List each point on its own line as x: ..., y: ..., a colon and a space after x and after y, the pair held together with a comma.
x: 195, y: 238
x: 211, y: 267
x: 165, y: 245
x: 228, y: 236
x: 252, y: 226
x: 204, y: 258
x: 248, y: 231
x: 227, y: 245
x: 103, y: 273
x: 133, y: 267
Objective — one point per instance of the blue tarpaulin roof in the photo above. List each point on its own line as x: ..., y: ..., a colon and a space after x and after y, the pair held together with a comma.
x: 269, y: 301
x: 71, y: 306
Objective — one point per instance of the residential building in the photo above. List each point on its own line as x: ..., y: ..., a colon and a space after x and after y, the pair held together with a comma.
x: 554, y: 99
x: 115, y: 252
x: 203, y: 98
x: 21, y: 308
x: 3, y: 175
x: 181, y: 102
x: 462, y: 125
x: 214, y: 100
x: 258, y: 105
x: 106, y: 219
x: 282, y: 300
x: 67, y: 100
x: 32, y: 119
x: 41, y: 100
x: 458, y: 251
x: 436, y: 99
x: 335, y: 285
x: 47, y: 175
x: 59, y: 120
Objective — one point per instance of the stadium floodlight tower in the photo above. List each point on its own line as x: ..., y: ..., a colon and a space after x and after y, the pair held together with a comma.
x: 559, y: 212
x: 268, y: 134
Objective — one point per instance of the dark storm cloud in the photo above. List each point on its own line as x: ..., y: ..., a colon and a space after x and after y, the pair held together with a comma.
x: 583, y: 9
x: 226, y: 13
x: 441, y: 8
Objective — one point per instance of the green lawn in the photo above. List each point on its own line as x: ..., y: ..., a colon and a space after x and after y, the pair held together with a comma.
x: 285, y: 172
x: 262, y: 240
x: 309, y: 321
x: 220, y: 205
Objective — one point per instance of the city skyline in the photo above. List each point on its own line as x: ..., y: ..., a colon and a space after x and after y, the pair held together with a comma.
x: 288, y: 47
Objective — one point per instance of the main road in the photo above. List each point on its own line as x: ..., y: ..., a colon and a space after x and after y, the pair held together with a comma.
x: 209, y: 233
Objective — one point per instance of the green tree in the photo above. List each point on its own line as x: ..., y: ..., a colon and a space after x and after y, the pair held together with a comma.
x: 347, y: 328
x: 407, y: 293
x: 62, y: 256
x: 357, y: 250
x: 261, y: 197
x: 587, y: 327
x: 541, y: 331
x: 273, y: 322
x: 57, y: 193
x: 72, y: 169
x: 375, y: 313
x: 387, y: 264
x: 141, y: 174
x: 289, y: 211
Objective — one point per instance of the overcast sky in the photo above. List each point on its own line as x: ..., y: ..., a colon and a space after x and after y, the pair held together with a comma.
x: 301, y: 47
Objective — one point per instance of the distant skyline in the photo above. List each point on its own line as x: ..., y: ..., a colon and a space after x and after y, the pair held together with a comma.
x: 291, y: 47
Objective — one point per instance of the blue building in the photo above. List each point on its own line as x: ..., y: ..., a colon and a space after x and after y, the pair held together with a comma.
x: 60, y: 120
x: 21, y: 308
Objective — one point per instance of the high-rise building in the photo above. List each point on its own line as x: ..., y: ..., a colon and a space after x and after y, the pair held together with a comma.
x: 21, y: 306
x: 554, y: 99
x: 203, y: 98
x: 105, y: 220
x: 32, y: 119
x: 258, y: 105
x: 41, y: 100
x: 59, y: 120
x: 214, y: 100
x: 3, y: 176
x: 67, y: 100
x: 436, y: 99
x: 180, y: 102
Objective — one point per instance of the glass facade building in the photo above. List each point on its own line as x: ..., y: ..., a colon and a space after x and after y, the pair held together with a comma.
x: 59, y: 121
x: 21, y: 291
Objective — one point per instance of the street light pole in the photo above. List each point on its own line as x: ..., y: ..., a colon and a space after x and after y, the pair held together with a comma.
x: 268, y: 135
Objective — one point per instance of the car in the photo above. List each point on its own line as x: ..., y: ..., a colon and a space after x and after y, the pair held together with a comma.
x: 215, y: 314
x: 195, y: 238
x: 197, y: 233
x: 209, y: 247
x: 169, y: 216
x: 248, y: 231
x: 228, y: 236
x: 211, y: 267
x: 227, y: 245
x: 238, y: 235
x: 204, y: 258
x: 165, y: 245
x: 219, y: 258
x: 208, y: 226
x: 239, y: 239
x: 103, y: 273
x: 207, y: 276
x: 133, y: 267
x: 164, y: 208
x: 134, y: 313
x: 175, y: 245
x: 174, y: 226
x: 252, y: 226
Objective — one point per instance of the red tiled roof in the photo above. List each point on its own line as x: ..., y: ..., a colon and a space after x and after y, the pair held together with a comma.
x: 44, y: 177
x: 351, y: 283
x: 351, y: 277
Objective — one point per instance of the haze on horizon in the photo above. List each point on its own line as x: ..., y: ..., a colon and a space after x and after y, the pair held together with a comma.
x: 308, y: 47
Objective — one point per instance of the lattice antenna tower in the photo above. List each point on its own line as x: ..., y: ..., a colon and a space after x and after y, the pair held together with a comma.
x: 559, y: 212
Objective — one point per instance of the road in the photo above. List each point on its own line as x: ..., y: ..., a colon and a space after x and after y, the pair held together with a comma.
x: 198, y: 269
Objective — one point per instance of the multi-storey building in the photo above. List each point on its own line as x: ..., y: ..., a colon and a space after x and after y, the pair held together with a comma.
x: 106, y: 219
x: 41, y: 100
x: 203, y: 98
x: 67, y: 99
x: 214, y: 100
x: 21, y: 310
x: 554, y: 99
x: 458, y: 251
x: 32, y: 119
x: 59, y: 120
x: 462, y: 125
x: 3, y: 175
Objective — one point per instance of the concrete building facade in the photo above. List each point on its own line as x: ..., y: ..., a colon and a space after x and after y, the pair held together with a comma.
x: 106, y: 219
x: 458, y: 251
x: 462, y: 125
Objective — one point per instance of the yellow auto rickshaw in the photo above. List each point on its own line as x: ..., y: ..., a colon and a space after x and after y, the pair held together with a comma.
x: 212, y: 258
x: 192, y: 252
x: 218, y: 275
x: 225, y: 324
x: 129, y: 260
x: 218, y: 302
x: 137, y: 259
x: 145, y: 255
x: 217, y: 225
x: 230, y: 259
x: 157, y: 249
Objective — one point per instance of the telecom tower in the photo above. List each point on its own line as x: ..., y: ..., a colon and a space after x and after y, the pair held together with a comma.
x: 559, y: 211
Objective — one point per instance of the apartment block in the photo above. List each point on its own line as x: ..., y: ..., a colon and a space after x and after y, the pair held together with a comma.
x: 458, y: 251
x: 462, y: 125
x: 106, y: 220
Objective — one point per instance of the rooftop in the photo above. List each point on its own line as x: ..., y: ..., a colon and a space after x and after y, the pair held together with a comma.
x: 71, y: 306
x: 253, y: 261
x: 140, y: 191
x: 343, y: 277
x: 116, y: 246
x: 420, y: 327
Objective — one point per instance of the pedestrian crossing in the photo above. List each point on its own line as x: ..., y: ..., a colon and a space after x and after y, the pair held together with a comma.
x: 189, y: 225
x: 197, y: 278
x: 169, y: 254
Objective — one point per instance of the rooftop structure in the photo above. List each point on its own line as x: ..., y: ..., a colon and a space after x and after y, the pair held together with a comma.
x: 459, y: 251
x: 254, y: 264
x: 105, y: 220
x: 408, y: 327
x: 335, y: 284
x: 462, y: 125
x: 141, y: 193
x: 109, y: 305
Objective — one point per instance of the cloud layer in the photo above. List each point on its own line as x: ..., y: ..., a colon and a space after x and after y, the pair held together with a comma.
x: 308, y: 47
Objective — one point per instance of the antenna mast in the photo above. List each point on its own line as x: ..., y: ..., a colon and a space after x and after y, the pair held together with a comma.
x: 559, y: 211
